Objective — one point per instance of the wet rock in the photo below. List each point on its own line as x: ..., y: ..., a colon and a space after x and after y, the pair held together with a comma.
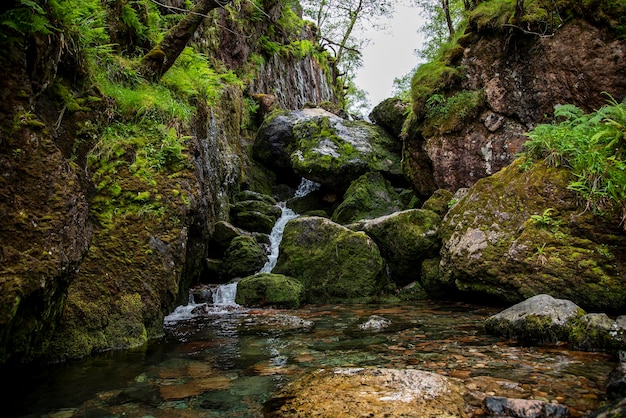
x: 274, y: 323
x: 375, y: 323
x: 368, y: 197
x: 368, y: 392
x: 405, y: 239
x: 268, y: 289
x: 595, y: 332
x: 524, y: 408
x: 541, y: 318
x: 333, y: 262
x: 614, y: 410
x: 616, y: 387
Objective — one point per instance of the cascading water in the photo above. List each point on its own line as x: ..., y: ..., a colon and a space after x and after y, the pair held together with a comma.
x: 223, y: 296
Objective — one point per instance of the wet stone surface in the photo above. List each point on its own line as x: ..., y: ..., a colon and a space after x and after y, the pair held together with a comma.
x: 230, y: 362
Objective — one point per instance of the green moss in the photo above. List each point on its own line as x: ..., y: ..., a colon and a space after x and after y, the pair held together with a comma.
x: 431, y: 78
x: 268, y: 289
x: 448, y: 114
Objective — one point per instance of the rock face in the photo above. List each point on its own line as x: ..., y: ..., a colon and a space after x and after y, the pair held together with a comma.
x: 334, y: 263
x: 368, y: 392
x: 325, y: 148
x: 522, y: 78
x: 92, y: 260
x: 520, y: 233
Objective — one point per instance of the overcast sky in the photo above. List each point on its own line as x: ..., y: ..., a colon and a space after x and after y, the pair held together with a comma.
x: 390, y: 54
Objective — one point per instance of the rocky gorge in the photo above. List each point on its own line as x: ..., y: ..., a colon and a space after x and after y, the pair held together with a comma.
x: 112, y: 211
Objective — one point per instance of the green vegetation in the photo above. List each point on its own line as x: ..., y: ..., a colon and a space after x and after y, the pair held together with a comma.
x: 593, y: 146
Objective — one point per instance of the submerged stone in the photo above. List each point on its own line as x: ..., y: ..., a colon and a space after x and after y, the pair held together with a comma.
x: 368, y: 392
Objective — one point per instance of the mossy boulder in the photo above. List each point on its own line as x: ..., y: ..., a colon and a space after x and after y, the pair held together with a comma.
x: 521, y: 232
x: 334, y: 263
x: 391, y: 114
x: 334, y: 152
x: 405, y: 239
x: 267, y: 289
x: 540, y: 319
x: 439, y: 202
x: 243, y: 257
x: 255, y: 215
x: 368, y: 197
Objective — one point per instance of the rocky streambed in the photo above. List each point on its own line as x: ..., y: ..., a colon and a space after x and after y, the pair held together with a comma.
x: 228, y: 361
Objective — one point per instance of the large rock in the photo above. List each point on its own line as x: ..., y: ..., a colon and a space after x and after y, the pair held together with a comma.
x: 521, y: 233
x: 541, y: 318
x: 405, y: 239
x: 391, y: 114
x: 335, y: 152
x: 368, y: 197
x: 267, y: 289
x: 333, y: 262
x: 325, y: 148
x: 365, y: 392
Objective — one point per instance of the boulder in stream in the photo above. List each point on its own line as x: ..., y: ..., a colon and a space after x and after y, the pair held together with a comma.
x: 368, y: 392
x: 541, y: 318
x: 334, y: 263
x: 267, y: 289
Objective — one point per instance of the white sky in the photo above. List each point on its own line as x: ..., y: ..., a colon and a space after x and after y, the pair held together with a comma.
x: 390, y: 54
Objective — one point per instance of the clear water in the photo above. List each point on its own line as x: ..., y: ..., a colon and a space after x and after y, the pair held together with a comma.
x: 228, y: 362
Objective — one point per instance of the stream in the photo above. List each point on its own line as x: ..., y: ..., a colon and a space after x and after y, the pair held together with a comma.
x: 226, y: 362
x: 218, y: 359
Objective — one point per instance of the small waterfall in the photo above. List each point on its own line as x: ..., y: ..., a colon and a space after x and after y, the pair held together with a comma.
x: 223, y: 296
x: 276, y: 236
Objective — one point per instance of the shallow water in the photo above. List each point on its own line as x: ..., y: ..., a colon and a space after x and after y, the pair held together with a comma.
x: 227, y: 363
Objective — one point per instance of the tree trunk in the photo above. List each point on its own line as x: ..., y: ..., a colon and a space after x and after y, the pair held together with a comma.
x: 446, y: 10
x: 519, y: 11
x: 161, y: 58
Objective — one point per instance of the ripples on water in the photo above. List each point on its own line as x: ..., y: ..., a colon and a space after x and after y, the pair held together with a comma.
x: 227, y: 361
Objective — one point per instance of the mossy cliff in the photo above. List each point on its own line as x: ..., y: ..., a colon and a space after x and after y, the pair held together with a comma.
x: 501, y: 75
x: 111, y: 183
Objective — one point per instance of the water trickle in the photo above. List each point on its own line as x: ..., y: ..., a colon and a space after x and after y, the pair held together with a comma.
x: 223, y: 296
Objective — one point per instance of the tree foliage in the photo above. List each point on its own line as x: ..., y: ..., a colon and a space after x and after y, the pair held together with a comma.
x: 341, y: 24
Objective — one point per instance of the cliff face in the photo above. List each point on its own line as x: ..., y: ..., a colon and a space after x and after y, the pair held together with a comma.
x: 517, y: 79
x: 95, y: 248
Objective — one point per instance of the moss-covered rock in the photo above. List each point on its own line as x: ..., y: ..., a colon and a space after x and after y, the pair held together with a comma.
x: 391, y: 115
x: 243, y: 257
x: 594, y: 332
x: 540, y: 319
x: 334, y: 152
x: 368, y: 197
x: 438, y: 202
x: 334, y: 263
x: 267, y: 289
x: 520, y: 233
x: 405, y: 239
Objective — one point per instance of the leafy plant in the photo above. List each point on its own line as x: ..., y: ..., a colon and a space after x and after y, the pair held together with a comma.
x: 592, y: 146
x: 545, y: 220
